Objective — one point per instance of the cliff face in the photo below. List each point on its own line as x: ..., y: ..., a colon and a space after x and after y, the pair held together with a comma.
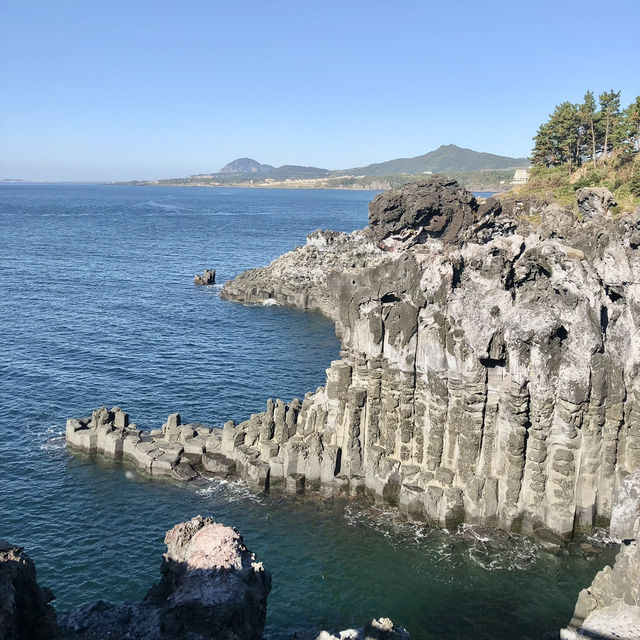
x: 489, y: 368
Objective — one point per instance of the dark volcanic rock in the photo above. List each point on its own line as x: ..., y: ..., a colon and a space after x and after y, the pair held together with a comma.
x: 594, y: 201
x: 24, y: 606
x: 211, y: 587
x: 435, y: 207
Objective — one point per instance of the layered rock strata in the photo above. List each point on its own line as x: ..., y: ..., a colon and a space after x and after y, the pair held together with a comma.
x: 489, y: 369
x: 211, y: 587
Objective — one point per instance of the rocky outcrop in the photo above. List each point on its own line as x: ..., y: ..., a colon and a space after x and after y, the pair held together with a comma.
x: 610, y: 607
x: 207, y: 278
x: 300, y: 278
x: 489, y: 369
x: 211, y: 587
x: 438, y: 207
x: 25, y: 613
x: 594, y: 202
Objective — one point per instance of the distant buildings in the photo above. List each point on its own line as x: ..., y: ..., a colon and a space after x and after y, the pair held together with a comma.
x: 521, y: 176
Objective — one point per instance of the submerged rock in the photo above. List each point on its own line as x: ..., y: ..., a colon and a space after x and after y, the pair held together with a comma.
x: 25, y: 613
x: 376, y: 629
x: 212, y: 587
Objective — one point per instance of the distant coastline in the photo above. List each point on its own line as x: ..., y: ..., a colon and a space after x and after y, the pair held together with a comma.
x: 480, y: 181
x: 474, y: 170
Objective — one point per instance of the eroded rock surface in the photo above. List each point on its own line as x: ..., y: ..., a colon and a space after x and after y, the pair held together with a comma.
x: 594, y: 201
x: 25, y: 613
x: 212, y: 587
x: 610, y: 607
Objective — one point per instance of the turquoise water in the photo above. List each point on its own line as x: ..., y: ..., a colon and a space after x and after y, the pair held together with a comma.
x: 98, y: 307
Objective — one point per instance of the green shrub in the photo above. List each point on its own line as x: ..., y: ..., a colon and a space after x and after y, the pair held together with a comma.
x: 592, y: 178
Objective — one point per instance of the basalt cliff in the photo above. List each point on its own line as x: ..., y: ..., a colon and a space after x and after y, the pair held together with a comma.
x: 490, y: 359
x: 489, y: 369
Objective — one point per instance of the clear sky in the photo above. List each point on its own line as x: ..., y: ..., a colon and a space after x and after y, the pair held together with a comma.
x: 156, y: 88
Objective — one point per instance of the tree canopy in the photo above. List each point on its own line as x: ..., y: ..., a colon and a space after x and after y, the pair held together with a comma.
x: 587, y: 132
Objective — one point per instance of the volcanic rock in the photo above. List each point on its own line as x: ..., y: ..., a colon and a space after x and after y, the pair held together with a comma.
x: 594, y: 201
x: 25, y: 613
x: 610, y: 607
x: 489, y: 371
x: 212, y: 587
x: 207, y: 278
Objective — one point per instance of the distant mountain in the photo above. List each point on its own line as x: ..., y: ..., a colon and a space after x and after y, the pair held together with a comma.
x: 248, y: 166
x: 445, y: 159
x: 245, y: 165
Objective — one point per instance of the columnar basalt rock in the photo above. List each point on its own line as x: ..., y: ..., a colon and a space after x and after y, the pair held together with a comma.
x: 489, y: 369
x: 206, y: 278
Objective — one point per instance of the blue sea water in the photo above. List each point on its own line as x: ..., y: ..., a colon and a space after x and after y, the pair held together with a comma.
x: 98, y: 307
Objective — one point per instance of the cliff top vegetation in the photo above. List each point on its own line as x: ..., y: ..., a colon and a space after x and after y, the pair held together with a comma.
x: 587, y: 145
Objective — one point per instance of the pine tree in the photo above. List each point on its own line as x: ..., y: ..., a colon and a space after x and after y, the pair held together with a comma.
x: 610, y: 111
x: 588, y: 118
x: 558, y: 141
x: 633, y: 124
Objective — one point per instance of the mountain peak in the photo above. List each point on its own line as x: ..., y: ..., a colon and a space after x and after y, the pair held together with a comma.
x: 245, y: 165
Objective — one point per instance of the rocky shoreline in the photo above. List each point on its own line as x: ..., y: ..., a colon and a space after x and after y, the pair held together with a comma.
x: 489, y: 373
x: 211, y: 588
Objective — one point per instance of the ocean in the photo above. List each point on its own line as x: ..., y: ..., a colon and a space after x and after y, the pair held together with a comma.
x: 98, y: 307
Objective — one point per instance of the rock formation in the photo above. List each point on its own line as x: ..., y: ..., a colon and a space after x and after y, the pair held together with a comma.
x: 25, y: 613
x: 594, y: 202
x: 376, y: 629
x: 211, y: 587
x: 610, y: 607
x: 488, y: 372
x: 489, y: 369
x: 207, y: 278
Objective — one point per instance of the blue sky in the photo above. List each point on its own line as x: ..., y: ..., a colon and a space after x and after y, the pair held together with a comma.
x: 145, y: 89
